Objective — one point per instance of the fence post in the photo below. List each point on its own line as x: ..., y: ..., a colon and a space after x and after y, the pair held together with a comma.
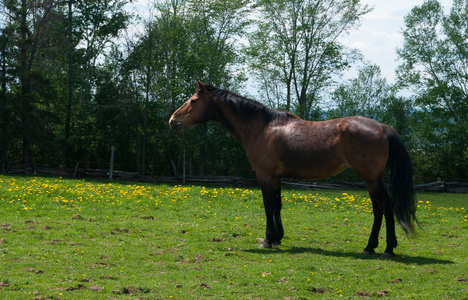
x: 76, y: 169
x: 183, y: 169
x: 183, y: 162
x: 111, y: 163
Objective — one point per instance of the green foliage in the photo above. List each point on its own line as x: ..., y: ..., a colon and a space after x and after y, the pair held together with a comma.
x: 73, y: 239
x: 124, y: 88
x: 371, y: 96
x: 365, y: 95
x: 183, y: 41
x: 434, y: 58
x: 295, y: 50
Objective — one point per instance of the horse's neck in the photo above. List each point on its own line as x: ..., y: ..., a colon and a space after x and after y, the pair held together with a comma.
x: 242, y: 128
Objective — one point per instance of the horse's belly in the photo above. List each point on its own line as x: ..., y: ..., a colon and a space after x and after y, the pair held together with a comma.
x: 312, y: 168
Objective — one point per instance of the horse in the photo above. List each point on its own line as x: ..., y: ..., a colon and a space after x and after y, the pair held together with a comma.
x: 279, y: 144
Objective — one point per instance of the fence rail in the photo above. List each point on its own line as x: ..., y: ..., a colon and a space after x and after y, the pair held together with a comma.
x: 439, y: 186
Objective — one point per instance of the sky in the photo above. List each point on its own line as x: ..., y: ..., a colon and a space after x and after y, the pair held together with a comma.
x: 380, y: 33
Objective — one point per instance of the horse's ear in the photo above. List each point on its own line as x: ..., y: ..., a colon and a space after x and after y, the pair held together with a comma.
x: 200, y: 86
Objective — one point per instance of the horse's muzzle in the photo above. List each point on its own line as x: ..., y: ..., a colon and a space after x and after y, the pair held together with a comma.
x: 176, y: 126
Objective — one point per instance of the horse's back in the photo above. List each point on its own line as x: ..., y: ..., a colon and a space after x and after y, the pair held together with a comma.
x: 314, y: 150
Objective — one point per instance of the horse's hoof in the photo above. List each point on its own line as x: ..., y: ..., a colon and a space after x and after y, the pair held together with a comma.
x: 368, y: 253
x: 387, y: 255
x: 264, y: 246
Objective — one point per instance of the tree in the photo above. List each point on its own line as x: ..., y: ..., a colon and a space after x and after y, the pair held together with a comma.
x: 295, y: 50
x: 216, y: 26
x: 365, y: 95
x: 434, y: 65
x: 5, y: 57
x: 27, y: 23
x: 371, y: 96
x: 96, y: 23
x: 155, y: 73
x: 71, y: 48
x: 195, y: 39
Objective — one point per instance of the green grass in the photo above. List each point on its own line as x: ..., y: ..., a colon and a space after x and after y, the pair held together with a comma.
x: 75, y: 239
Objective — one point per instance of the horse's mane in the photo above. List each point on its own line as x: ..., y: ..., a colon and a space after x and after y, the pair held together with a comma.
x: 245, y: 106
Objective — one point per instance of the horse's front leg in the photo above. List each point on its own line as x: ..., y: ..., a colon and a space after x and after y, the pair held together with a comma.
x: 271, y: 191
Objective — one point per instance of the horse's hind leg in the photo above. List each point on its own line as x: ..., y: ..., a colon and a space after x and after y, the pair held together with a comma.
x: 390, y: 224
x: 382, y: 205
x: 377, y: 206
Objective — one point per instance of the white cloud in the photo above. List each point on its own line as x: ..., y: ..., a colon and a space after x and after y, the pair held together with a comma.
x: 359, y: 45
x: 380, y: 32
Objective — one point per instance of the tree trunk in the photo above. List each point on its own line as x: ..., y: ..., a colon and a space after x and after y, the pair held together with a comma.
x: 3, y: 134
x: 70, y: 72
x: 147, y: 95
x: 25, y: 86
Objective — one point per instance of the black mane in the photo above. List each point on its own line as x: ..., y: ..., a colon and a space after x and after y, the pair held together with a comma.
x: 245, y: 106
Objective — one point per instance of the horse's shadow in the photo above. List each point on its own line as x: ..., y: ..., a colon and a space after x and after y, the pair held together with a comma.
x: 406, y: 259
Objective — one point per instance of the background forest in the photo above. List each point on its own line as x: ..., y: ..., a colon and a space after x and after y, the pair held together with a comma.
x: 80, y: 76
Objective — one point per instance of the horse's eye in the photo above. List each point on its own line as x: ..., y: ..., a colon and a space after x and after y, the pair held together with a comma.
x: 193, y: 101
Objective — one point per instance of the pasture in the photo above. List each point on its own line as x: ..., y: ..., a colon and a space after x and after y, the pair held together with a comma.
x: 77, y: 239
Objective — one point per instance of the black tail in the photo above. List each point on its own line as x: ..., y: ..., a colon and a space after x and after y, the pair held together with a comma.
x: 401, y: 174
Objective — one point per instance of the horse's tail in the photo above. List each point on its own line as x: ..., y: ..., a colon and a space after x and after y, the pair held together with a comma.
x: 401, y: 175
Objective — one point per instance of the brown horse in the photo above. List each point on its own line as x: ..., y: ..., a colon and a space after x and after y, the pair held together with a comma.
x: 278, y: 144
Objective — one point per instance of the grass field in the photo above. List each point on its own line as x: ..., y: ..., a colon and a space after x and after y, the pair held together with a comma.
x: 75, y: 239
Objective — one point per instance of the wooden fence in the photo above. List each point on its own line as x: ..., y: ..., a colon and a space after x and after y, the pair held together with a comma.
x: 439, y: 186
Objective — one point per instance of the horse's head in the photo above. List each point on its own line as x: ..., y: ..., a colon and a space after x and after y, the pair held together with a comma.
x: 196, y: 110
